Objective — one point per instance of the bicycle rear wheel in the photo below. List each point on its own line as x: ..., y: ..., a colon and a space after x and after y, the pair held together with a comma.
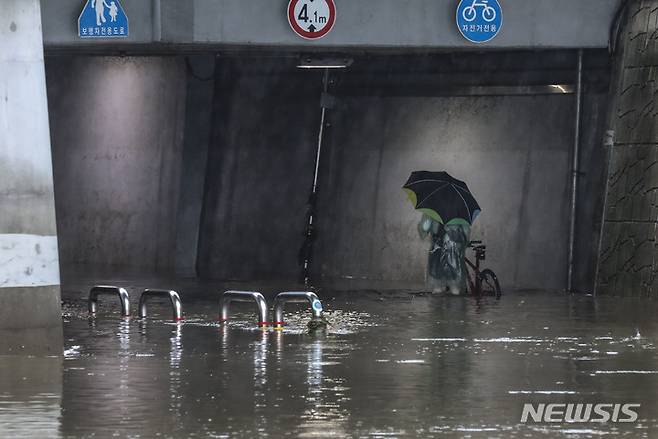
x: 489, y: 285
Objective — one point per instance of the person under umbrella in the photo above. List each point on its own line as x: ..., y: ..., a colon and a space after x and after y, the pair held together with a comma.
x: 449, y: 209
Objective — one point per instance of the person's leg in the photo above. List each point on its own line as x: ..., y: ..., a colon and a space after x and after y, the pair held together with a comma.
x: 434, y: 283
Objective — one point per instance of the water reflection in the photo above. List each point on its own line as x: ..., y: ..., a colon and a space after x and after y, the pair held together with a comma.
x: 30, y: 396
x: 260, y: 383
x: 324, y: 415
x: 114, y: 382
x: 175, y: 392
x: 176, y: 346
x: 425, y: 366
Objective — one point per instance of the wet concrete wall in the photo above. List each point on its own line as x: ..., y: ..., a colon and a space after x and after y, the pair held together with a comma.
x: 260, y: 167
x: 208, y: 171
x: 198, y: 129
x: 117, y: 135
x: 630, y: 241
x: 514, y: 151
x: 591, y: 190
x: 29, y: 266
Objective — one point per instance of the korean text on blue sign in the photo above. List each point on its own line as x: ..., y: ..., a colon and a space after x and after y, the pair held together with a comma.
x: 479, y: 21
x: 102, y: 19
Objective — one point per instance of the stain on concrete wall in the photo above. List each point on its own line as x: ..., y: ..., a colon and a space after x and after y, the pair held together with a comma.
x: 198, y: 128
x: 117, y: 132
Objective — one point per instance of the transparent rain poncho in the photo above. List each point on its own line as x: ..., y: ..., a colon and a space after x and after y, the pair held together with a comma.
x: 446, y: 269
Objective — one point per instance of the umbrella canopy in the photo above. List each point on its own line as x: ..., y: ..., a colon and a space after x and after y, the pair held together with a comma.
x: 442, y: 197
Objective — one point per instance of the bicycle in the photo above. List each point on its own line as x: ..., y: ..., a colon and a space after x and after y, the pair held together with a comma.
x: 481, y: 282
x: 488, y: 13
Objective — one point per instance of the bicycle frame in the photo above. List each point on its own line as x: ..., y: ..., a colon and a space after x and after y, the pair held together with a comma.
x: 473, y: 276
x: 473, y: 269
x: 481, y: 282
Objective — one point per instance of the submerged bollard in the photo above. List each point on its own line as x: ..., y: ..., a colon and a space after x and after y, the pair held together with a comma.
x: 173, y: 296
x: 104, y: 289
x: 303, y: 296
x: 243, y: 296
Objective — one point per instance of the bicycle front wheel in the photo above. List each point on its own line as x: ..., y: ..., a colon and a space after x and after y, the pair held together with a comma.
x: 489, y: 285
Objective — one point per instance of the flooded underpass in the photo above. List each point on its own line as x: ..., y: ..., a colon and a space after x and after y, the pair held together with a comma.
x: 387, y: 154
x: 393, y: 364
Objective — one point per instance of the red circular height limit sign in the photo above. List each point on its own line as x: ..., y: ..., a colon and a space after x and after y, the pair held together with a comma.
x: 311, y: 19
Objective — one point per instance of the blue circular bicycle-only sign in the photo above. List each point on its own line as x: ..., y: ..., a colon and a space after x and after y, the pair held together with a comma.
x: 479, y: 21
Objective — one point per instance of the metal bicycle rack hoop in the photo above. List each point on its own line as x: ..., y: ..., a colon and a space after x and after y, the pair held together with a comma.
x: 295, y: 297
x: 106, y: 289
x: 243, y: 296
x: 173, y: 296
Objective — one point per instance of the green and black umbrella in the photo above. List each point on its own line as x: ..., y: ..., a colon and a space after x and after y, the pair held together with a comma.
x: 442, y: 197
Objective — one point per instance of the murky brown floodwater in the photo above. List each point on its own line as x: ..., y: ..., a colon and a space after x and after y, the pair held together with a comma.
x: 392, y: 365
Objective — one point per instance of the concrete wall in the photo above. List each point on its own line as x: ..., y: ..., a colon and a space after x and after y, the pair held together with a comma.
x: 592, y: 180
x: 369, y: 24
x: 630, y: 239
x: 228, y: 199
x: 117, y: 135
x: 198, y: 129
x: 514, y: 151
x: 29, y: 268
x: 259, y: 172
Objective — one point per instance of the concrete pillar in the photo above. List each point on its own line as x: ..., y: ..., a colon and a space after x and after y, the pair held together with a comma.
x: 29, y: 263
x: 628, y: 262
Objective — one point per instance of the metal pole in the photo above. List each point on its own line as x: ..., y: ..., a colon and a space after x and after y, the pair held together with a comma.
x: 312, y: 199
x: 610, y: 144
x: 575, y: 172
x: 325, y: 88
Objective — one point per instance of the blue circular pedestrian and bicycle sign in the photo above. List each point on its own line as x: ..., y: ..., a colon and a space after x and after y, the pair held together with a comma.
x: 479, y: 21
